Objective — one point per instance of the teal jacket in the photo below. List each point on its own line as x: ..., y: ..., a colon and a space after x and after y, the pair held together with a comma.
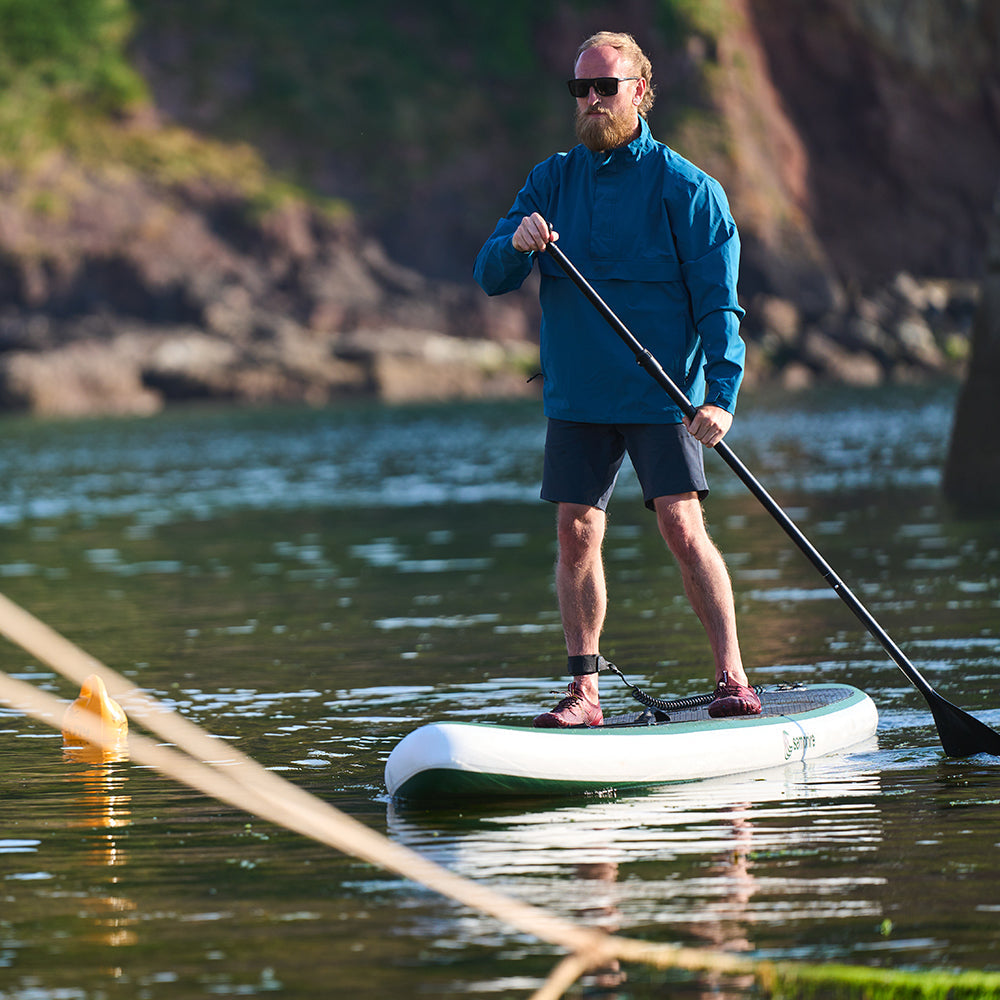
x: 655, y: 237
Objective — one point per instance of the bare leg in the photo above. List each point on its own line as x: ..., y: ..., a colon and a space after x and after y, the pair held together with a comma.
x: 706, y: 579
x: 580, y: 583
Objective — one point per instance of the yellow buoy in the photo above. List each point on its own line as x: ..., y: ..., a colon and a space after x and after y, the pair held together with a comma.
x: 95, y: 718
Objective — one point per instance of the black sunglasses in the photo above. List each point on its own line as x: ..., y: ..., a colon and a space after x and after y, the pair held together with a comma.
x: 604, y: 86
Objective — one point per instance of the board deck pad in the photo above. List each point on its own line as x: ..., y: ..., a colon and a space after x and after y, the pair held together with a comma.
x: 774, y: 701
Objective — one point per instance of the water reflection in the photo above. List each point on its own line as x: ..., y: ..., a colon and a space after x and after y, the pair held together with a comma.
x: 177, y: 466
x: 715, y: 863
x: 100, y: 808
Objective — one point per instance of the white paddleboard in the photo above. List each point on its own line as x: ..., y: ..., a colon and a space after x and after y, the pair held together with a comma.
x: 448, y: 760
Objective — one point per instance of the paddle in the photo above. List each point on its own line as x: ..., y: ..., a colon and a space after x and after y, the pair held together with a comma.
x: 961, y: 734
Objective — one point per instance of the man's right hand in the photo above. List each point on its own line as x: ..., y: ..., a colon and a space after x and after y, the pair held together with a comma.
x: 533, y: 234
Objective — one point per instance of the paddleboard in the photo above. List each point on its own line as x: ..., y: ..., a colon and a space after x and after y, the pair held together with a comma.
x: 455, y: 760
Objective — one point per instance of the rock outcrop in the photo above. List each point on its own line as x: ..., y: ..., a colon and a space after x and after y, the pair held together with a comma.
x: 972, y: 471
x: 135, y: 294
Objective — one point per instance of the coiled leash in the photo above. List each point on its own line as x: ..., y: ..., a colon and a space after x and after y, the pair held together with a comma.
x: 660, y: 704
x: 594, y: 663
x: 662, y: 707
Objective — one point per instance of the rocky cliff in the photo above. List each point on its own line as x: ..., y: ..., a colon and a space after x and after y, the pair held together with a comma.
x: 149, y: 253
x: 128, y: 291
x: 972, y: 470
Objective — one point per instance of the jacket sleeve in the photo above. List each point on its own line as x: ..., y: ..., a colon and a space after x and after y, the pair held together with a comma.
x: 708, y: 246
x: 499, y: 267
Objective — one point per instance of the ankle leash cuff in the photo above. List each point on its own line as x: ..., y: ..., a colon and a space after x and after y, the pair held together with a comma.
x: 589, y: 663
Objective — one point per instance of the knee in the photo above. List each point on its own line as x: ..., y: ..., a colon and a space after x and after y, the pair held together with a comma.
x: 682, y: 542
x: 580, y: 534
x: 686, y: 536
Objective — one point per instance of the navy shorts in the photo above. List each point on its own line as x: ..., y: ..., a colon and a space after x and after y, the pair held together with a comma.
x: 582, y: 461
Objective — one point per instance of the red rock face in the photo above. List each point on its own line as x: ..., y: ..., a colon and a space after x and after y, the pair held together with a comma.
x: 898, y: 110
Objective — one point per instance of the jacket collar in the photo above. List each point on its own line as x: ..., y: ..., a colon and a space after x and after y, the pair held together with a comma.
x: 642, y: 142
x: 630, y: 151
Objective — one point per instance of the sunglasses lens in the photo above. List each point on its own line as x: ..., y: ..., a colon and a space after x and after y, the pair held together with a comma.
x: 604, y: 86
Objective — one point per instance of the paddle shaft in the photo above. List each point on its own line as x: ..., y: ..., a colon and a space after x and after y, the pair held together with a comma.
x: 655, y: 369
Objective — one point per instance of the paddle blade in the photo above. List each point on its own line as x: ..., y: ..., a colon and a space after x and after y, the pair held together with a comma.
x: 962, y: 735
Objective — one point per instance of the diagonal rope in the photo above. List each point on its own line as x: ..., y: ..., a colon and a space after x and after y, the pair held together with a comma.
x: 218, y: 770
x: 310, y: 816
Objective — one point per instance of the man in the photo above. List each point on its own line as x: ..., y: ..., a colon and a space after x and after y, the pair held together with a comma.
x: 654, y: 235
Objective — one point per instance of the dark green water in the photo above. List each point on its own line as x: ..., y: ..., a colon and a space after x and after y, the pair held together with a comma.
x: 314, y: 584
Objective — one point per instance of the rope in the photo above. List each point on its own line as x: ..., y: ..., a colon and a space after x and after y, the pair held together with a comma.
x: 217, y: 769
x: 221, y: 771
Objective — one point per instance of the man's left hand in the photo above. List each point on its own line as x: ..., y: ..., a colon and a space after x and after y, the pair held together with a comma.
x: 709, y: 424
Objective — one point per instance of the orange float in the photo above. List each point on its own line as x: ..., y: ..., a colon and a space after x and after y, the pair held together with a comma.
x: 95, y: 719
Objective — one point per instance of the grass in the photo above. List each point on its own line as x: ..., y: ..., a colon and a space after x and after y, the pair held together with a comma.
x: 68, y: 89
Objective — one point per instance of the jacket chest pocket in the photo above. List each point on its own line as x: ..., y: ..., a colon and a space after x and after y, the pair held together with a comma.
x: 628, y: 227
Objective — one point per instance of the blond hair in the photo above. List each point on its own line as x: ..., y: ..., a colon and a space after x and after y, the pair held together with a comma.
x: 629, y: 48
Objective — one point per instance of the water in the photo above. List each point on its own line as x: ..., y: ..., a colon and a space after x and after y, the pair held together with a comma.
x: 314, y: 584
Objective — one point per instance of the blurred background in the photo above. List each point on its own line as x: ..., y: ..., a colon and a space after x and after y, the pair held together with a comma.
x: 206, y: 205
x: 266, y: 201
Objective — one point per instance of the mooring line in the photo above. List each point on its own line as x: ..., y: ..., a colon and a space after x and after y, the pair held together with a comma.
x: 219, y: 770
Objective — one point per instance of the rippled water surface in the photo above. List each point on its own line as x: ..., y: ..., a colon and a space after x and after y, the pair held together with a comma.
x: 312, y: 585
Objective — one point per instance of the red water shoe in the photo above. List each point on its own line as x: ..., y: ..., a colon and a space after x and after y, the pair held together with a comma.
x: 732, y: 699
x: 574, y: 710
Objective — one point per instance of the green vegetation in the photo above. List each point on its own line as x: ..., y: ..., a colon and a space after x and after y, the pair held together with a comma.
x: 387, y: 83
x: 401, y: 89
x: 382, y: 92
x: 787, y: 980
x: 707, y: 17
x: 62, y: 66
x: 67, y: 85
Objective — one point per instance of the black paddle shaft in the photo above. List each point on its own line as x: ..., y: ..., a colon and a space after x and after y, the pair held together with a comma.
x: 961, y: 734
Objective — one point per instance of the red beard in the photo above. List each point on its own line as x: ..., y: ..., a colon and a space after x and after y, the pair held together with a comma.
x: 603, y: 130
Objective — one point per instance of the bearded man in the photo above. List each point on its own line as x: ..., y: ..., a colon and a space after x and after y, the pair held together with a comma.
x: 655, y: 236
